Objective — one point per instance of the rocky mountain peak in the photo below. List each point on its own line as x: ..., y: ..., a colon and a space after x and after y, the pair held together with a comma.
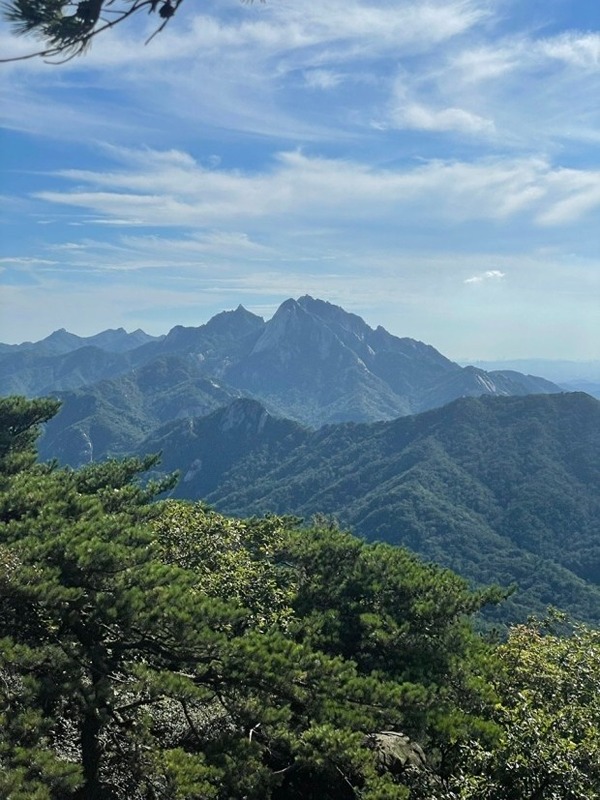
x: 244, y: 415
x: 313, y: 362
x: 335, y: 316
x: 235, y: 323
x: 289, y: 325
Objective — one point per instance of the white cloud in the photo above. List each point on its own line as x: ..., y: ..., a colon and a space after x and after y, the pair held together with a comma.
x: 539, y: 92
x: 226, y: 67
x: 488, y: 275
x: 476, y: 64
x: 525, y: 54
x: 322, y: 79
x: 274, y: 28
x: 573, y: 48
x: 172, y: 190
x: 419, y: 117
x: 131, y: 253
x: 570, y: 209
x: 351, y: 25
x: 417, y: 104
x: 25, y: 261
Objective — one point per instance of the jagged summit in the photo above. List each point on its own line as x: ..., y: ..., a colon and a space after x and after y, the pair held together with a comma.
x: 335, y: 315
x: 226, y: 325
x: 235, y: 323
x: 312, y: 361
x: 293, y: 331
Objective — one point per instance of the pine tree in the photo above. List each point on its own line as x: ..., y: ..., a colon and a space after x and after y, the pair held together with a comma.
x: 68, y: 28
x: 124, y: 672
x: 153, y: 650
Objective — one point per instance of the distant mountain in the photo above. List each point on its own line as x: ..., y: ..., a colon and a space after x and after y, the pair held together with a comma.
x: 556, y: 370
x: 319, y: 364
x: 474, y: 382
x: 66, y: 361
x: 110, y: 418
x: 227, y: 336
x: 36, y: 374
x: 61, y: 341
x: 500, y: 489
x: 571, y: 376
x: 205, y: 449
x: 589, y: 387
x: 312, y: 362
x: 308, y: 366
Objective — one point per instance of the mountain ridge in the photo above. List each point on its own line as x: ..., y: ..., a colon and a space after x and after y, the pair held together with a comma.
x: 312, y: 362
x: 500, y: 489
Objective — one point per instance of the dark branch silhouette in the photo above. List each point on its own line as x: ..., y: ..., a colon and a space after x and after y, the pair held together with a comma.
x: 68, y: 28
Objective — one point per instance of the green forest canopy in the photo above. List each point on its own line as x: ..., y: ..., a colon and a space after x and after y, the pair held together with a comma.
x: 160, y: 650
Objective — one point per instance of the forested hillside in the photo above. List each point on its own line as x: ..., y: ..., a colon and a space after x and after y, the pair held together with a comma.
x: 500, y: 489
x: 117, y: 414
x: 160, y: 651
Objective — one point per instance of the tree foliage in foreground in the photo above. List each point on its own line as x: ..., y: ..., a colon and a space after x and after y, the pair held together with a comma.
x: 160, y: 651
x: 549, y: 714
x: 67, y: 28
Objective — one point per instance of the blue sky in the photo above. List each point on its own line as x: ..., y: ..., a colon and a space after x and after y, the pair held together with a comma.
x: 432, y: 166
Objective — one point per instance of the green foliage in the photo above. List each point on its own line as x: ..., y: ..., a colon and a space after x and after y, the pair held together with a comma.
x: 160, y: 651
x: 20, y: 421
x: 157, y: 650
x: 399, y: 620
x: 549, y: 712
x: 231, y: 559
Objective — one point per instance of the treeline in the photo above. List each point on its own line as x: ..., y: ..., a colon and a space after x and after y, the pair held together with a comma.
x: 157, y: 650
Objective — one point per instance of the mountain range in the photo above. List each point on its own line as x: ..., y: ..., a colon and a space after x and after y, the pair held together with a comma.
x: 115, y: 340
x: 312, y: 362
x: 500, y: 489
x: 494, y: 473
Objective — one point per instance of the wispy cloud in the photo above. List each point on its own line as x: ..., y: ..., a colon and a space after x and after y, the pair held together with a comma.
x: 204, y: 55
x: 573, y: 48
x: 25, y: 261
x: 538, y: 91
x: 322, y: 78
x: 380, y: 153
x: 488, y: 275
x: 419, y: 117
x: 167, y: 189
x: 230, y: 69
